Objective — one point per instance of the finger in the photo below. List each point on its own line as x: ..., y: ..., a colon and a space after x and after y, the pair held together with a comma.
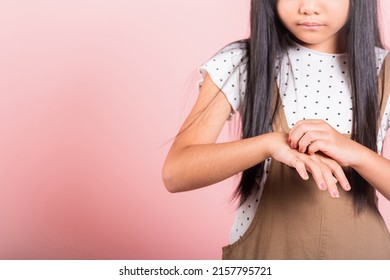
x: 300, y: 168
x: 305, y: 141
x: 330, y: 181
x: 338, y: 172
x: 301, y: 130
x: 296, y: 134
x: 299, y: 123
x: 317, y: 145
x: 328, y: 177
x: 313, y: 148
x: 315, y: 170
x: 308, y: 138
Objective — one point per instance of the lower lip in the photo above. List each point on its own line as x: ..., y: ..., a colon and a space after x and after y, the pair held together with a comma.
x: 311, y: 27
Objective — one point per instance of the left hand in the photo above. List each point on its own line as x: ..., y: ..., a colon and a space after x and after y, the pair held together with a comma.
x: 312, y: 136
x: 325, y: 171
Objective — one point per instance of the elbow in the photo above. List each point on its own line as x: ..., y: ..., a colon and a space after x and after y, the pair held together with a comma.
x: 178, y: 177
x: 175, y: 180
x: 170, y: 179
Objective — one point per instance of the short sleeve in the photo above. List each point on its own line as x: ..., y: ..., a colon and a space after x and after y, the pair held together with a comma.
x: 384, y: 132
x: 227, y: 69
x: 386, y: 115
x: 386, y: 146
x: 382, y: 56
x: 384, y: 127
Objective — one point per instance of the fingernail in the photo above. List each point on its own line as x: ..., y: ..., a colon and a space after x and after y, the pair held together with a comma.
x: 348, y: 187
x: 336, y: 194
x: 323, y: 186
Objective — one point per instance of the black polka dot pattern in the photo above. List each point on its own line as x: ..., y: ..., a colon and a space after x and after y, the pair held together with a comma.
x: 320, y: 89
x: 247, y: 211
x: 313, y: 85
x: 227, y: 69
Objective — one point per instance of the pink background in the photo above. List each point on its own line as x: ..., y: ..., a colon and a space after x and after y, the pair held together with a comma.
x: 91, y: 92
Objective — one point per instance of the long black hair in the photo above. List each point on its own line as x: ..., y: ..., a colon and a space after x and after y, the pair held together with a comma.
x: 269, y: 40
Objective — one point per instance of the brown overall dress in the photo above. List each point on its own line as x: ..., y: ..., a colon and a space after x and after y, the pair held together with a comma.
x: 296, y: 220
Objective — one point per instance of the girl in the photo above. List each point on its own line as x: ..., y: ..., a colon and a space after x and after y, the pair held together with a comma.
x: 311, y: 85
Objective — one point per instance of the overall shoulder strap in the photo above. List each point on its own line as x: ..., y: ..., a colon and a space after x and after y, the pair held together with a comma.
x: 279, y: 121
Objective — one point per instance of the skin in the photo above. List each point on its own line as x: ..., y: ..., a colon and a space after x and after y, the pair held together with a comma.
x: 314, y: 136
x: 195, y: 160
x: 316, y: 24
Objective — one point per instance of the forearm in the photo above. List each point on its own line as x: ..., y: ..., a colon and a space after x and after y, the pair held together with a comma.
x: 375, y: 169
x: 202, y: 165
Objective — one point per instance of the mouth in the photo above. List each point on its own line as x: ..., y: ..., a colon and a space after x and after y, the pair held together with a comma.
x: 311, y: 25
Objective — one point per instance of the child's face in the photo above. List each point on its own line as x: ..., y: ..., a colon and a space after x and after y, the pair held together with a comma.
x: 315, y: 23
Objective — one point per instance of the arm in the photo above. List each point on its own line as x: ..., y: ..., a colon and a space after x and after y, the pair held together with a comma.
x: 196, y: 161
x: 374, y: 168
x: 316, y: 135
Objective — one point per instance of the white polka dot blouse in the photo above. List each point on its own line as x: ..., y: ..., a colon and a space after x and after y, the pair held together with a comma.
x: 312, y: 85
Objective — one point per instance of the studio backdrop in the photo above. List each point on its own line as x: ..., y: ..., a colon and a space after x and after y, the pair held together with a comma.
x: 91, y: 94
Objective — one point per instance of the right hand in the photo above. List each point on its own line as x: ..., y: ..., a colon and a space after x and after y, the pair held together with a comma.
x: 325, y: 171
